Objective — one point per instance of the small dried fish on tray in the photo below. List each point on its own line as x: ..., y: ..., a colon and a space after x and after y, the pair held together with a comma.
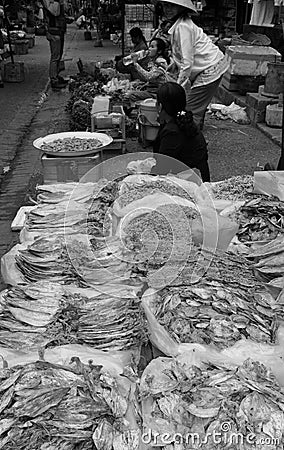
x: 225, y: 305
x: 44, y: 314
x: 234, y: 188
x: 213, y: 407
x: 260, y: 219
x: 47, y: 406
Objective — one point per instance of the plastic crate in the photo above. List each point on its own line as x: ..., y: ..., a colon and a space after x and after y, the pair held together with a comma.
x: 66, y: 169
x: 117, y: 132
x: 21, y: 46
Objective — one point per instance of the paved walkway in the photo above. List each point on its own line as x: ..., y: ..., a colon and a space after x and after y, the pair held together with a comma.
x: 30, y: 114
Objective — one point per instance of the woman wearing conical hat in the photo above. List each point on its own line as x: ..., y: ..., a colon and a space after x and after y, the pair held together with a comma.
x: 199, y: 63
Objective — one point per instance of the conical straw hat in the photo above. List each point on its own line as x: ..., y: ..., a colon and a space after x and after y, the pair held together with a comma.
x: 186, y: 3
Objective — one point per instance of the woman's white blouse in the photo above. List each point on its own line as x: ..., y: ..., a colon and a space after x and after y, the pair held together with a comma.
x: 192, y: 50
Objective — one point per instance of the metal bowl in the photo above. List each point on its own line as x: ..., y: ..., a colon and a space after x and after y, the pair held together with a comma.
x: 104, y: 138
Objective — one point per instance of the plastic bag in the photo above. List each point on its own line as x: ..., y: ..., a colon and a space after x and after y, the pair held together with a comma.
x: 234, y: 112
x: 270, y: 355
x: 212, y: 230
x: 141, y: 166
x: 269, y: 183
x: 9, y: 271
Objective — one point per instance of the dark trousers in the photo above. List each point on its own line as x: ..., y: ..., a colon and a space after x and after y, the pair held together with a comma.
x: 56, y: 44
x: 198, y: 98
x: 203, y: 167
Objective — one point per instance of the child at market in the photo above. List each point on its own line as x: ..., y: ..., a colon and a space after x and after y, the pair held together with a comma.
x: 155, y: 75
x: 139, y: 43
x: 179, y: 137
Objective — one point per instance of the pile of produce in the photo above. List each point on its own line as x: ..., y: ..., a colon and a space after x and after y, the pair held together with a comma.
x: 44, y: 314
x: 260, y: 219
x: 188, y: 407
x: 225, y: 305
x: 72, y: 145
x: 80, y: 104
x: 48, y: 406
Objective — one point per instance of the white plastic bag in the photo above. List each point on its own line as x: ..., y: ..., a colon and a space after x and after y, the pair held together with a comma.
x: 269, y: 183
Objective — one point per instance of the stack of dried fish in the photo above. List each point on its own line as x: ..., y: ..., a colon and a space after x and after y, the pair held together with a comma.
x: 99, y: 215
x: 225, y: 305
x: 234, y: 188
x: 72, y: 259
x: 57, y: 218
x: 27, y: 313
x: 57, y: 193
x: 212, y: 408
x: 46, y: 259
x: 260, y: 219
x: 44, y: 314
x: 48, y: 406
x: 269, y: 258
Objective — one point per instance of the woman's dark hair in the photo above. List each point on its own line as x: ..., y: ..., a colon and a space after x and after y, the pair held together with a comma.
x: 162, y: 49
x: 136, y: 32
x: 172, y: 97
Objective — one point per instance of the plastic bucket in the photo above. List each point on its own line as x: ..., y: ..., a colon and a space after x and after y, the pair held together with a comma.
x: 149, y: 109
x: 148, y: 130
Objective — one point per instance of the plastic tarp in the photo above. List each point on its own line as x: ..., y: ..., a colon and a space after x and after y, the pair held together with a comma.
x: 269, y: 183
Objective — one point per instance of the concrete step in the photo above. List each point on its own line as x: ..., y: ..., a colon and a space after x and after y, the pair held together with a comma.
x: 255, y: 105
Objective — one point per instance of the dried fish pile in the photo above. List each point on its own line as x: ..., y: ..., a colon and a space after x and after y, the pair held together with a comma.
x: 46, y: 315
x: 213, y: 407
x: 234, y: 188
x: 269, y: 258
x: 115, y: 322
x: 46, y: 259
x: 99, y: 216
x: 53, y: 407
x: 72, y: 259
x: 58, y: 193
x: 232, y: 270
x: 260, y: 220
x: 161, y: 235
x: 136, y: 187
x: 60, y: 218
x: 226, y: 304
